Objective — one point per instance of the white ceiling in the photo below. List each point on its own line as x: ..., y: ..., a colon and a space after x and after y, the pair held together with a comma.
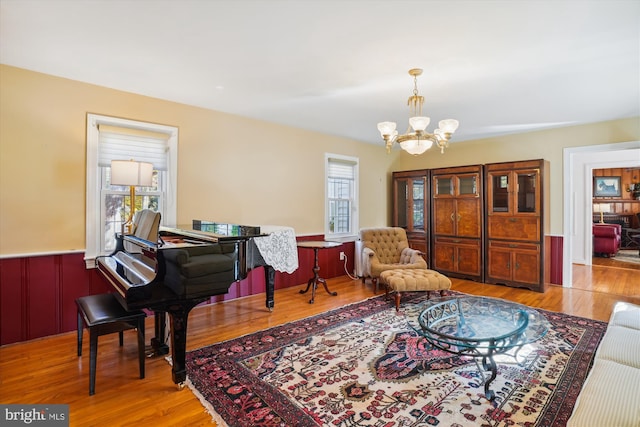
x: 340, y: 67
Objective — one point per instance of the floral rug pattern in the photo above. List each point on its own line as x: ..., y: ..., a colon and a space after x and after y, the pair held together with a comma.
x: 362, y: 365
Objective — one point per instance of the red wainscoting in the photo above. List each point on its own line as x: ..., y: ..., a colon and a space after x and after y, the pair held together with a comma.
x: 38, y: 293
x: 556, y: 256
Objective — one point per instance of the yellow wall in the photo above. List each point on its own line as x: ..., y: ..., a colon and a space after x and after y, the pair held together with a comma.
x: 230, y: 168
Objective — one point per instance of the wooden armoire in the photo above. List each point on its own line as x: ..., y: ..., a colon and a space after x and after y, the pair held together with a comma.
x: 516, y: 223
x: 457, y: 221
x: 481, y: 222
x: 411, y: 207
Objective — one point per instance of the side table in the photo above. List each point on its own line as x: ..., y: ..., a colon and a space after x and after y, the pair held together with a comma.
x: 313, y: 282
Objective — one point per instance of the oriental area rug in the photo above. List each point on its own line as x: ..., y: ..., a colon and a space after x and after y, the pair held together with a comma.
x: 363, y: 365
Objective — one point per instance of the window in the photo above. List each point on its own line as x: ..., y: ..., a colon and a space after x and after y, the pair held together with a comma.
x: 110, y: 138
x: 341, y: 219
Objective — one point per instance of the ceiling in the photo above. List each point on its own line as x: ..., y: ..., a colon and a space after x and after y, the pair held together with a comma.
x: 340, y: 67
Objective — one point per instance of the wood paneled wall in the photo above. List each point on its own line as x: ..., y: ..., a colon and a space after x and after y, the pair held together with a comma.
x: 625, y: 204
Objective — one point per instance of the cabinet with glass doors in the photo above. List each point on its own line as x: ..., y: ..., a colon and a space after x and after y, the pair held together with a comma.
x: 411, y: 207
x: 516, y: 223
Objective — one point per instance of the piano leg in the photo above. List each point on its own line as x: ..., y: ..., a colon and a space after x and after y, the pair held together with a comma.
x: 269, y: 281
x: 178, y: 315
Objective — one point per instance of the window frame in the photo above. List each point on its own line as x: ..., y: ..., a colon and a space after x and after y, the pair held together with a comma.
x: 94, y: 213
x: 352, y: 235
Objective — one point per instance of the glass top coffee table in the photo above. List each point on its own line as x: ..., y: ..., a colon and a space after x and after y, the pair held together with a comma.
x: 479, y: 327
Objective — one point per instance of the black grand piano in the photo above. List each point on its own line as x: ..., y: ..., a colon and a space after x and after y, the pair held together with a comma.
x: 185, y: 267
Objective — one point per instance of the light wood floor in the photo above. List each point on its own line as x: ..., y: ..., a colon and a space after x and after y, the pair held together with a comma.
x: 48, y: 371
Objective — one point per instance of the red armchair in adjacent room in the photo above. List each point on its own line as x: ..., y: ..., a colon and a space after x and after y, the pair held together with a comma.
x: 606, y: 239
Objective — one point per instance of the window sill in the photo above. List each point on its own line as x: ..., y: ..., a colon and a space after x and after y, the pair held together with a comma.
x: 342, y: 238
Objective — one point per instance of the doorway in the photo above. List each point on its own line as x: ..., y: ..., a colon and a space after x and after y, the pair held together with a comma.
x: 579, y: 163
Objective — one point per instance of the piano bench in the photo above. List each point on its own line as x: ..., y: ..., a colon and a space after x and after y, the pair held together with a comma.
x: 102, y: 314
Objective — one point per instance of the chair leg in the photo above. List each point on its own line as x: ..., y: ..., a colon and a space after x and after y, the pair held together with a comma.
x: 80, y: 330
x: 121, y: 338
x: 93, y: 355
x: 397, y: 296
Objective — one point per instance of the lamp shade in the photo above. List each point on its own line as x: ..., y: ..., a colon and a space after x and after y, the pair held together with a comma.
x: 386, y: 128
x: 419, y: 123
x: 602, y: 207
x: 449, y: 125
x: 132, y: 173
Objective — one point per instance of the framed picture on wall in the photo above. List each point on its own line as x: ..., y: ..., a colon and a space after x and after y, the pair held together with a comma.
x: 606, y: 186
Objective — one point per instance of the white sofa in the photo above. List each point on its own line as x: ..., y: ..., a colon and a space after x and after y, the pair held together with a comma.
x: 610, y: 397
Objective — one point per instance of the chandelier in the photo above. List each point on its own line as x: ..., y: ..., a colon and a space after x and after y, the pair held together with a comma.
x: 417, y: 140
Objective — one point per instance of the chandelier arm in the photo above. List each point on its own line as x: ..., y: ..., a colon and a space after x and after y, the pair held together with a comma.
x: 442, y: 143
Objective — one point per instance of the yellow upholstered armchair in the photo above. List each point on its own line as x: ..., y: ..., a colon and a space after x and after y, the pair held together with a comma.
x: 387, y: 248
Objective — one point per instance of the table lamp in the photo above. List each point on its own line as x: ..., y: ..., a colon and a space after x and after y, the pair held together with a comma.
x: 134, y: 174
x: 602, y: 208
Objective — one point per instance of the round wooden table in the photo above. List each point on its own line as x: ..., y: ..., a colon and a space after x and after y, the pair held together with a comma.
x: 313, y: 282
